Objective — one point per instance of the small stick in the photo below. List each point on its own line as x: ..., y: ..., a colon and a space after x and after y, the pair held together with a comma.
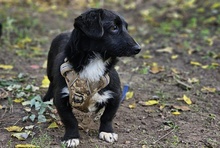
x: 164, y: 136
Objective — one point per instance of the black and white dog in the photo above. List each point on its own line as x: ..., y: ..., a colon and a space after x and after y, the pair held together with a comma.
x: 92, y: 48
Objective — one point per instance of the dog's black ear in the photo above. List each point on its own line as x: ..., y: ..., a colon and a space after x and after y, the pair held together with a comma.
x: 90, y: 23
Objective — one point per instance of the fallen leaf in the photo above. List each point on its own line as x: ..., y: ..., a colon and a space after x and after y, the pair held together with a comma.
x: 26, y: 146
x: 215, y: 64
x: 6, y: 67
x: 175, y: 56
x: 205, y: 66
x: 149, y: 102
x: 129, y: 95
x: 195, y: 63
x: 167, y: 50
x: 182, y: 108
x: 29, y: 127
x: 18, y: 100
x: 175, y: 112
x: 35, y: 66
x: 14, y: 128
x: 45, y: 82
x: 156, y: 69
x: 174, y: 70
x: 132, y: 106
x: 193, y: 80
x: 53, y: 125
x: 187, y: 100
x: 208, y: 89
x: 44, y: 64
x: 21, y: 136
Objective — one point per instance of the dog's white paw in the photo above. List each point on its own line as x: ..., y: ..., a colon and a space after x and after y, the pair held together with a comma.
x: 71, y: 143
x: 109, y: 137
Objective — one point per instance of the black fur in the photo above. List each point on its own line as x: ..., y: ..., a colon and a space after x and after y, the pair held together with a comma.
x: 96, y: 31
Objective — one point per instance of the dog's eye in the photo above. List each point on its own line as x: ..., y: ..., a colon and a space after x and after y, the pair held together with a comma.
x: 114, y: 28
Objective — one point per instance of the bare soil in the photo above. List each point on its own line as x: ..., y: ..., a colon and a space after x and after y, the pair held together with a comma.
x: 140, y: 126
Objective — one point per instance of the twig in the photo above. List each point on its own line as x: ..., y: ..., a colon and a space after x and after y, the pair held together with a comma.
x: 164, y: 136
x: 16, y: 121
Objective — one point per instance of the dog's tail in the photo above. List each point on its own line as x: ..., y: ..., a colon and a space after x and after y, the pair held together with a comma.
x: 49, y: 94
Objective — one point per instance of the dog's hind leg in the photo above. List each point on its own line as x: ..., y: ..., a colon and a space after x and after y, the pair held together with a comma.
x: 49, y: 93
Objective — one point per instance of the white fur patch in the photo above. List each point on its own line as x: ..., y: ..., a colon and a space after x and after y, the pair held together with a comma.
x: 109, y: 137
x: 71, y: 143
x: 94, y: 70
x: 65, y: 92
x: 99, y: 99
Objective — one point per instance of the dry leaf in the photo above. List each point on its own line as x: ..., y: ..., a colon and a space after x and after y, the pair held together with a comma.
x: 174, y: 70
x: 175, y: 56
x: 6, y: 67
x: 149, y: 102
x: 53, y: 125
x: 21, y: 136
x: 129, y: 95
x: 14, y: 128
x: 18, y: 100
x: 167, y: 50
x: 26, y: 146
x: 195, y: 63
x: 45, y: 64
x: 205, y: 66
x: 193, y: 80
x: 183, y: 108
x: 175, y: 112
x: 187, y: 100
x: 132, y: 106
x: 156, y: 69
x: 45, y: 82
x: 208, y: 89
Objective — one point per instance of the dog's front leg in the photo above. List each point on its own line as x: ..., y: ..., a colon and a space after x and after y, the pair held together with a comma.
x: 106, y: 131
x: 71, y: 136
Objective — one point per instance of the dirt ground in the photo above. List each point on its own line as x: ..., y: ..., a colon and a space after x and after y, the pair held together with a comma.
x: 180, y: 57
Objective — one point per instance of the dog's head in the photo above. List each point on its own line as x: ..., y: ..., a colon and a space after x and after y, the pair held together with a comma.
x: 107, y: 33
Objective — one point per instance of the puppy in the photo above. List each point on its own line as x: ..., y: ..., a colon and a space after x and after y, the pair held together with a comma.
x: 88, y: 55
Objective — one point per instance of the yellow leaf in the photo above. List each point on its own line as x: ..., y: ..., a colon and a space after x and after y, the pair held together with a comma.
x: 208, y: 89
x: 45, y: 82
x: 174, y: 70
x: 156, y: 69
x: 175, y: 56
x: 21, y: 136
x: 53, y: 125
x: 187, y: 100
x: 26, y: 146
x: 151, y: 102
x: 147, y: 56
x: 14, y: 128
x: 167, y: 50
x: 205, y: 66
x: 176, y: 113
x: 209, y: 41
x: 132, y: 106
x: 193, y: 80
x: 195, y: 63
x: 6, y: 67
x: 129, y: 95
x: 214, y: 64
x: 45, y: 64
x: 215, y: 5
x: 18, y: 100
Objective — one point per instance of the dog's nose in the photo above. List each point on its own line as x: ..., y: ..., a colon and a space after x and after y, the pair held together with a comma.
x: 136, y: 49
